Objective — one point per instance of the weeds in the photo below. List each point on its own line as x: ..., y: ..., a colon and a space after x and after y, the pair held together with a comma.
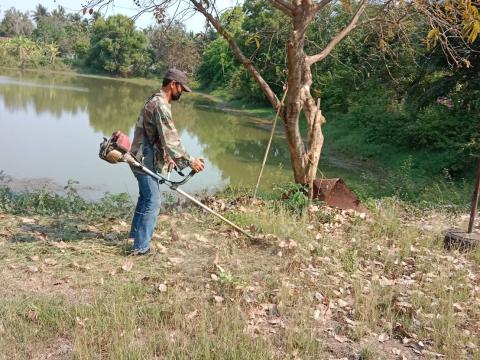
x: 318, y: 283
x: 46, y: 203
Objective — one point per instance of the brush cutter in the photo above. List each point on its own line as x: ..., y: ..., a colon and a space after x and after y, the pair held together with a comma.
x: 117, y: 149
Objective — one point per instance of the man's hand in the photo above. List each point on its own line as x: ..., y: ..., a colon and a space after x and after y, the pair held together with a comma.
x: 198, y: 164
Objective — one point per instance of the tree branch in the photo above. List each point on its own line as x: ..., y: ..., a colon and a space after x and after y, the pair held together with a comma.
x: 239, y: 54
x: 339, y: 37
x: 283, y: 6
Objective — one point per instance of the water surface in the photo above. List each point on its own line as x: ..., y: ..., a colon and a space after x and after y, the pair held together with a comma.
x: 52, y: 125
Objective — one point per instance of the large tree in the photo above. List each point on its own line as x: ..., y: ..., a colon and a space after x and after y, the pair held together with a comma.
x: 448, y: 19
x: 117, y: 47
x: 169, y: 40
x: 15, y: 23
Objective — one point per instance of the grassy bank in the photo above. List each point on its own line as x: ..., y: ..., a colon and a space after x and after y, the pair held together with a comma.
x: 389, y: 170
x: 315, y: 284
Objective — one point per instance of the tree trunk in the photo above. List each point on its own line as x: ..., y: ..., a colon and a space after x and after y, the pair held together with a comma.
x: 304, y: 155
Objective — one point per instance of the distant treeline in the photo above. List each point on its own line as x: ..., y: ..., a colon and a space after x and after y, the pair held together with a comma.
x: 113, y: 46
x: 382, y: 92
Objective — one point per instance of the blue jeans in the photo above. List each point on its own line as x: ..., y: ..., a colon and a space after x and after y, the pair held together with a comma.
x: 148, y: 205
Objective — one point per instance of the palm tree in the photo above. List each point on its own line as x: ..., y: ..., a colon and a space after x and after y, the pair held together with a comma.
x: 40, y: 11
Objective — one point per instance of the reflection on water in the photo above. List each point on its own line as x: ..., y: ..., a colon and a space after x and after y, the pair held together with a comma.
x: 52, y: 125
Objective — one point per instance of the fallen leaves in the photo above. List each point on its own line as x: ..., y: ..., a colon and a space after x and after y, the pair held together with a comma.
x: 289, y: 244
x: 77, y: 266
x: 127, y: 265
x: 192, y: 315
x: 161, y: 249
x: 383, y: 337
x: 174, y: 235
x: 340, y: 338
x: 391, y: 280
x: 218, y: 299
x: 28, y: 220
x: 32, y: 315
x: 50, y: 261
x: 175, y: 260
x: 32, y: 269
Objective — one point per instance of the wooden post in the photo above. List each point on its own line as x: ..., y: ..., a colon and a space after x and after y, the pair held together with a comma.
x: 473, y: 212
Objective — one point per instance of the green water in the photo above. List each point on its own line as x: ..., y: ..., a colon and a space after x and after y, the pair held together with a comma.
x: 52, y: 125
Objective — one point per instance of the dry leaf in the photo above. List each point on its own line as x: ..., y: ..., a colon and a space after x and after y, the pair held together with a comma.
x: 127, y: 265
x: 457, y: 307
x: 200, y: 238
x: 432, y: 354
x: 50, y: 261
x: 396, y: 351
x: 32, y: 315
x: 59, y: 245
x: 80, y: 321
x: 175, y: 260
x: 340, y: 338
x: 32, y: 269
x: 318, y: 296
x: 218, y: 299
x: 191, y: 315
x: 289, y: 244
x: 174, y: 235
x: 163, y: 217
x: 77, y: 266
x: 162, y: 249
x: 383, y: 337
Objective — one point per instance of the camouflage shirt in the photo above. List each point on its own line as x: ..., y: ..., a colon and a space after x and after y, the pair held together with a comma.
x: 156, y: 124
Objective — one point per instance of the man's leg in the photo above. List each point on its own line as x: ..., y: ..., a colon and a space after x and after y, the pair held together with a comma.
x: 146, y: 212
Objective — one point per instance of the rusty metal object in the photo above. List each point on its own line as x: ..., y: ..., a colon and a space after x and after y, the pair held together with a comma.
x: 457, y: 239
x: 334, y: 192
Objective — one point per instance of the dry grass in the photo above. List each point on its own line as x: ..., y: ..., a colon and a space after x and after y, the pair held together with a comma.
x: 320, y: 285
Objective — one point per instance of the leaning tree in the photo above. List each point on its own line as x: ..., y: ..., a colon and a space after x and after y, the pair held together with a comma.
x: 448, y: 20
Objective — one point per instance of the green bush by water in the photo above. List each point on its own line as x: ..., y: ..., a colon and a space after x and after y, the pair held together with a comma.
x: 47, y: 203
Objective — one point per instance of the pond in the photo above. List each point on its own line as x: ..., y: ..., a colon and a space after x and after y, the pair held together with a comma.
x: 52, y: 125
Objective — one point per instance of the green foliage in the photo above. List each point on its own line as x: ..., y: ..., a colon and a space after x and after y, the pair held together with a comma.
x: 118, y: 48
x: 260, y: 32
x: 293, y: 196
x: 23, y: 52
x: 217, y: 66
x: 68, y: 31
x: 46, y: 203
x: 173, y: 46
x: 15, y: 23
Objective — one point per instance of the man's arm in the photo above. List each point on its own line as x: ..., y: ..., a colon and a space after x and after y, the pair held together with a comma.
x: 170, y: 139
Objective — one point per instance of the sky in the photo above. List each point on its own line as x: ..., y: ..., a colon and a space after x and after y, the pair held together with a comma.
x: 125, y: 7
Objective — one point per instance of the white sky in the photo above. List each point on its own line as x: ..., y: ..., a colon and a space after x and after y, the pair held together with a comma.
x: 126, y: 7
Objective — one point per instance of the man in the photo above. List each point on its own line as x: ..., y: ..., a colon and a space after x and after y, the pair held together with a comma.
x: 157, y: 144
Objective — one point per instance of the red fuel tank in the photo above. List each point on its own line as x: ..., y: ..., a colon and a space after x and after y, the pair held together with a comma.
x: 121, y: 141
